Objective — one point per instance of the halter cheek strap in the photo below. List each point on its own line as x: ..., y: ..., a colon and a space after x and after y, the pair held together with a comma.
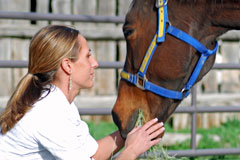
x: 162, y: 19
x: 140, y: 79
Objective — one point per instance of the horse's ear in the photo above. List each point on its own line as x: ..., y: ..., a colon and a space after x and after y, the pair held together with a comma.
x: 66, y: 65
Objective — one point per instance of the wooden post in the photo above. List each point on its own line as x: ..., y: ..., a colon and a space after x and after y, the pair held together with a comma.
x: 230, y: 79
x: 5, y: 74
x: 9, y: 46
x: 61, y: 7
x: 230, y: 54
x: 19, y: 49
x: 42, y: 7
x: 106, y: 51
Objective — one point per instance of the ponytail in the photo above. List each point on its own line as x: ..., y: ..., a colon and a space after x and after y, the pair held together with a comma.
x: 16, y: 107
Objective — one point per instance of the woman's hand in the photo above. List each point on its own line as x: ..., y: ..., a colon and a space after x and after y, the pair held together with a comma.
x: 140, y: 139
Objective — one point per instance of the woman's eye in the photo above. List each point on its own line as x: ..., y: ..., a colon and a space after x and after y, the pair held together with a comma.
x: 127, y: 32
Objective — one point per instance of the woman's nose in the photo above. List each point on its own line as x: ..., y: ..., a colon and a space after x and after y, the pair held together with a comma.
x: 94, y: 63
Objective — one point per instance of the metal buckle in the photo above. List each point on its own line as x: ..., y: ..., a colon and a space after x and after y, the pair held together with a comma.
x: 141, y: 81
x: 184, y: 90
x: 157, y: 6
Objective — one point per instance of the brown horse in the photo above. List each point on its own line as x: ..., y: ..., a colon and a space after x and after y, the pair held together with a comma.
x: 173, y: 62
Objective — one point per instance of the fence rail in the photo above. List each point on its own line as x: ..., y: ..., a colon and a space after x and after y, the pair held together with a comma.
x: 106, y: 65
x: 60, y: 17
x: 183, y: 109
x: 193, y: 109
x: 24, y: 64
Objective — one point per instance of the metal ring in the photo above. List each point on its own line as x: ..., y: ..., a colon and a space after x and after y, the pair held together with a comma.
x: 169, y: 23
x: 166, y: 2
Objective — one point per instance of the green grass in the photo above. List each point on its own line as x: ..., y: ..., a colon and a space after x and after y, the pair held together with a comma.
x: 101, y: 129
x: 228, y: 132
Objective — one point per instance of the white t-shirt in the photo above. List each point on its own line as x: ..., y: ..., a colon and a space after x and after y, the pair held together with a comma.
x: 51, y: 130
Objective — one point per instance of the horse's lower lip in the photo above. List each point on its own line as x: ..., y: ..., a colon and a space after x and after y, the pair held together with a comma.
x: 131, y: 124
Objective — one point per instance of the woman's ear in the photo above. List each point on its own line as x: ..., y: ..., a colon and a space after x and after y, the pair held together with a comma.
x: 66, y: 66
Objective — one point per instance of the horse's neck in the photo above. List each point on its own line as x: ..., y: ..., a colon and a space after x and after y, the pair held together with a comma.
x: 224, y: 18
x: 205, y: 21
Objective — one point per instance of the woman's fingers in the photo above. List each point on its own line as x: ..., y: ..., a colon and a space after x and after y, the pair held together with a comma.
x: 149, y: 123
x: 154, y: 127
x: 155, y: 141
x: 156, y: 133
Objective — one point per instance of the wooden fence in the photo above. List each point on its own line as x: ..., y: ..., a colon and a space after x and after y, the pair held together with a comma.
x: 107, y: 43
x: 103, y: 39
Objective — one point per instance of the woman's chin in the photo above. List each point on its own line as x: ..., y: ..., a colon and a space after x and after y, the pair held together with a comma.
x: 88, y: 86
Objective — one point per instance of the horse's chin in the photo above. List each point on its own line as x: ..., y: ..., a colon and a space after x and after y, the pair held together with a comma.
x: 130, y: 124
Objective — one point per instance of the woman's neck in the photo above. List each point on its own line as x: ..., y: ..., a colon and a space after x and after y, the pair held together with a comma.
x: 69, y: 93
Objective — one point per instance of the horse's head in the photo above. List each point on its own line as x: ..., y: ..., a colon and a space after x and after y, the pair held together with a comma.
x: 173, y: 62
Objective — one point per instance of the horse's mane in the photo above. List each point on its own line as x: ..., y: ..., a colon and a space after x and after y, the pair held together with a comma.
x: 216, y: 2
x: 234, y: 4
x: 208, y: 1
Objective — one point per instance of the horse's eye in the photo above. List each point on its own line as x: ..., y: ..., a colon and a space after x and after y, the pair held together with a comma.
x: 127, y: 32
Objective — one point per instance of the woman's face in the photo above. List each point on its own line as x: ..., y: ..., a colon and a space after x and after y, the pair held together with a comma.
x: 83, y: 69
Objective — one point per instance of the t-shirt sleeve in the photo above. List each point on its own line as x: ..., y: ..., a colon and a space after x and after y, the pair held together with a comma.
x: 65, y: 139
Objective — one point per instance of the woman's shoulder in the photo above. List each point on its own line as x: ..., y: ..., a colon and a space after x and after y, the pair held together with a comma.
x: 51, y: 99
x: 51, y: 103
x: 53, y: 108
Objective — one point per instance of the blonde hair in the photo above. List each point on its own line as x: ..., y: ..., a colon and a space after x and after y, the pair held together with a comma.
x: 47, y: 49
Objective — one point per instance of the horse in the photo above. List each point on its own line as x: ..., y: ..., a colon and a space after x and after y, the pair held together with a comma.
x: 166, y: 42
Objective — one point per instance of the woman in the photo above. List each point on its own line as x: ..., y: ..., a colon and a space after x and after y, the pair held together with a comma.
x: 41, y: 120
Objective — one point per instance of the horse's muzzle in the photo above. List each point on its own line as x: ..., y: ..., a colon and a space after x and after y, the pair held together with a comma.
x: 129, y: 126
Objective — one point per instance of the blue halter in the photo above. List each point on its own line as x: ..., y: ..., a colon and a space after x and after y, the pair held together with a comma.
x: 140, y: 79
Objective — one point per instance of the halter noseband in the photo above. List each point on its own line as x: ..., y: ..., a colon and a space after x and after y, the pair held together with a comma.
x: 140, y: 79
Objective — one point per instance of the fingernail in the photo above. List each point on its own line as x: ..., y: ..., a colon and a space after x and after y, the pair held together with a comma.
x: 161, y: 123
x: 163, y: 129
x: 156, y: 119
